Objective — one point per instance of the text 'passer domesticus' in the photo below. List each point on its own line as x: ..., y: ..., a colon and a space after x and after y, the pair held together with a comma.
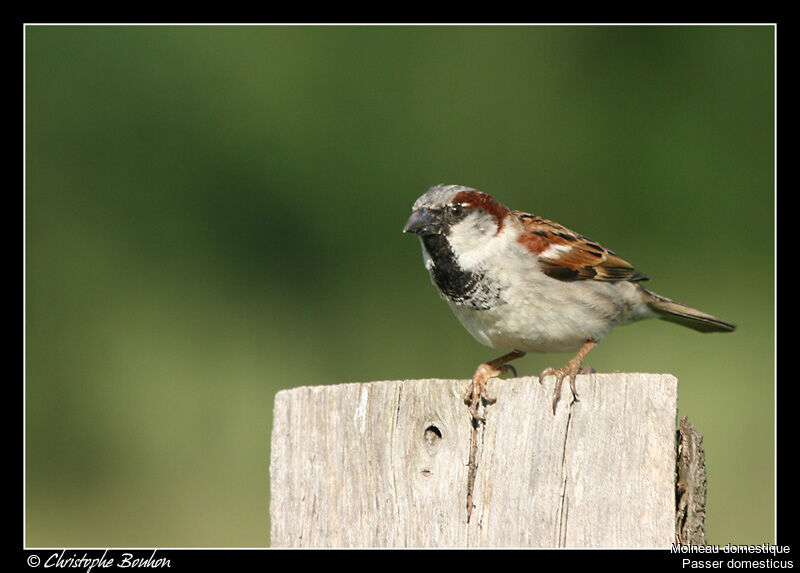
x: 521, y: 282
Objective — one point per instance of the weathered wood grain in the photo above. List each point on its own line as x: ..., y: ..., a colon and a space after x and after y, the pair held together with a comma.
x: 690, y: 516
x: 385, y: 464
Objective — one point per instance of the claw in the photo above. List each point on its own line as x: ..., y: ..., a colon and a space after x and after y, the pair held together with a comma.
x: 572, y: 369
x: 559, y: 373
x: 476, y: 391
x: 506, y: 368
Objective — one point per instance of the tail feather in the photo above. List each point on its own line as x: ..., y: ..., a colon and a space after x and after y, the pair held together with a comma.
x: 684, y: 315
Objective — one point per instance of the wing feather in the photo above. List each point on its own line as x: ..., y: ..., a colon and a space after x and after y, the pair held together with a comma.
x: 568, y: 256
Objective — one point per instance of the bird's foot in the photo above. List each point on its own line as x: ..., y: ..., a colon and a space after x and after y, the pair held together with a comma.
x: 476, y: 391
x: 571, y: 370
x: 560, y: 374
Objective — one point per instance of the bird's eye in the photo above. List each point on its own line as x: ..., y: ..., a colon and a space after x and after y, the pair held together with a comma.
x: 456, y: 210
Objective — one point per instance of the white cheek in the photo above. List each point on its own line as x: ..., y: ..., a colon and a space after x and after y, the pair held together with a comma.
x: 481, y: 246
x: 471, y: 238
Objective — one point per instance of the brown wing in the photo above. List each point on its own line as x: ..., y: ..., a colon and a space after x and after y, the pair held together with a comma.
x: 568, y: 256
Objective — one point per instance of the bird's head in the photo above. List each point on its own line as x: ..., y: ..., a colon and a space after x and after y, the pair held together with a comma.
x: 462, y: 215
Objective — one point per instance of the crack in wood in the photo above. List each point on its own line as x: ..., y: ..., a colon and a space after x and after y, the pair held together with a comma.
x: 472, y: 466
x: 563, y: 508
x: 392, y: 429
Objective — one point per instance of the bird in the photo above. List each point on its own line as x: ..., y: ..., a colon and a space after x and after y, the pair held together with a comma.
x: 523, y: 283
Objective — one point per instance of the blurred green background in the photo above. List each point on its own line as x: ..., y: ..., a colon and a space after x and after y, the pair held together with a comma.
x: 214, y: 213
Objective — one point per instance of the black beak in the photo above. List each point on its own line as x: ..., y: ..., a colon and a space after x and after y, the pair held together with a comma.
x: 423, y: 222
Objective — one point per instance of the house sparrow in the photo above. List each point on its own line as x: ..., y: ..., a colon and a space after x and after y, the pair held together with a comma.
x: 520, y: 282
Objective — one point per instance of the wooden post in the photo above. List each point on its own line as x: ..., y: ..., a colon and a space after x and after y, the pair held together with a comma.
x: 400, y: 464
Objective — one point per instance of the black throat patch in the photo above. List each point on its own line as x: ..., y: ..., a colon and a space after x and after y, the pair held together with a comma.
x: 458, y: 285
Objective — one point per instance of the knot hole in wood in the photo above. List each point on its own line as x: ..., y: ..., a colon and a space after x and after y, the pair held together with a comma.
x: 432, y: 437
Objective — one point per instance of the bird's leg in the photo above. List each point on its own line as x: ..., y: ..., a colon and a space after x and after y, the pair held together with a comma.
x: 572, y: 369
x: 476, y: 392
